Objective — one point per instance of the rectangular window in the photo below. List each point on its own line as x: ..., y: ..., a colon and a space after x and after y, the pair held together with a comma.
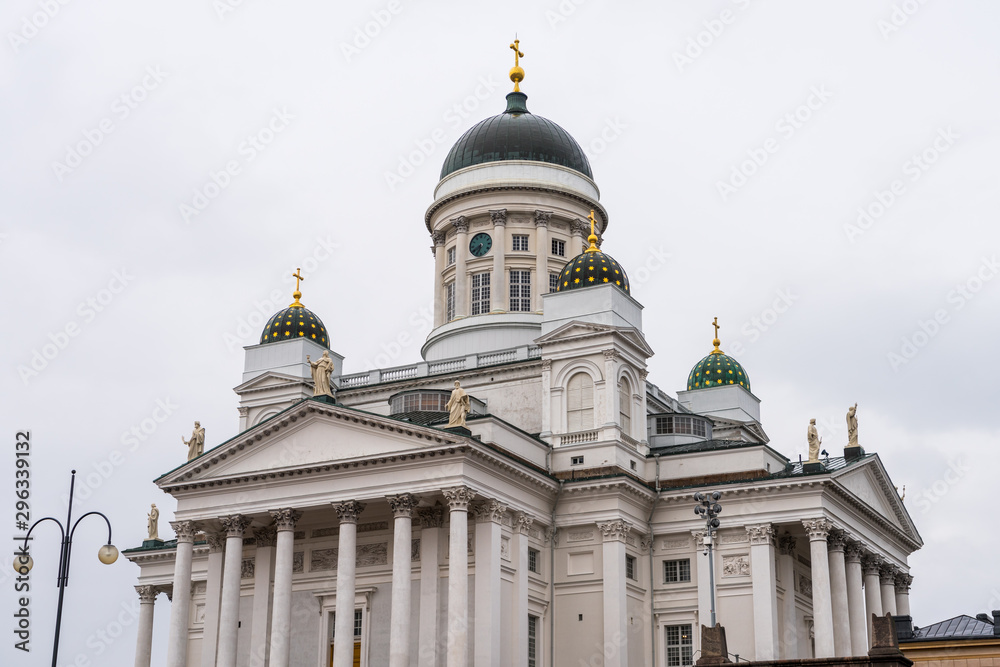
x: 480, y: 293
x: 679, y: 653
x: 520, y: 291
x: 558, y: 247
x: 576, y: 461
x: 553, y: 282
x: 357, y: 624
x: 630, y: 568
x: 532, y: 560
x: 532, y: 641
x: 449, y: 302
x: 520, y: 243
x: 680, y: 425
x: 676, y: 571
x: 451, y: 256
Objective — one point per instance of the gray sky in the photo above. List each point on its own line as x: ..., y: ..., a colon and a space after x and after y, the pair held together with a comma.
x: 734, y: 144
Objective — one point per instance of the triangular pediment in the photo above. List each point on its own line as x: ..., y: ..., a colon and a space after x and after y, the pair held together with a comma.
x: 267, y: 380
x: 307, y: 435
x: 576, y: 330
x: 870, y: 484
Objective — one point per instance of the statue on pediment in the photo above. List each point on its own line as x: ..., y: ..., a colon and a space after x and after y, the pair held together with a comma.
x: 458, y: 406
x: 814, y: 441
x: 196, y: 445
x: 153, y: 522
x: 852, y: 426
x: 321, y: 372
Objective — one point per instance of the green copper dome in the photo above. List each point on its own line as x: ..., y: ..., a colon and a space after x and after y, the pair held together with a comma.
x: 716, y: 370
x: 296, y: 321
x: 516, y: 134
x: 591, y: 268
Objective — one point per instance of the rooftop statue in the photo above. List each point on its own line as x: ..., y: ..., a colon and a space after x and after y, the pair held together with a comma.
x: 458, y: 406
x: 814, y: 441
x: 321, y: 371
x: 196, y: 445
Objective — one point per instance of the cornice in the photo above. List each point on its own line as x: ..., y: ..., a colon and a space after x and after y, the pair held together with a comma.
x: 393, y: 386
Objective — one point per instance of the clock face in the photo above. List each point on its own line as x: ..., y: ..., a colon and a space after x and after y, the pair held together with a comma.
x: 480, y: 244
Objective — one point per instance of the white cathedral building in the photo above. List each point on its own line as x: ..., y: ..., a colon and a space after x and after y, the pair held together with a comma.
x: 557, y: 528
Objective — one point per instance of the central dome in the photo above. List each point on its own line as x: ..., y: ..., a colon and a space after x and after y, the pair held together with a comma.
x: 516, y: 134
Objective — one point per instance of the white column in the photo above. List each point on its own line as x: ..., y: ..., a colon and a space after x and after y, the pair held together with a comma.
x: 855, y: 599
x: 461, y: 270
x: 144, y: 637
x: 887, y: 583
x: 838, y: 594
x: 229, y: 612
x: 281, y: 605
x: 489, y: 518
x: 873, y: 592
x: 180, y: 604
x: 347, y: 559
x: 213, y: 596
x: 818, y: 529
x: 263, y: 571
x: 903, y: 582
x: 765, y: 591
x: 519, y: 606
x: 439, y: 267
x: 498, y: 284
x: 611, y: 355
x: 580, y: 231
x: 542, y: 250
x: 615, y: 595
x: 786, y: 572
x: 399, y: 619
x: 458, y: 575
x: 431, y: 521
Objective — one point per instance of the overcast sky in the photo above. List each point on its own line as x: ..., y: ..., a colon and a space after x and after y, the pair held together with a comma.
x: 820, y: 176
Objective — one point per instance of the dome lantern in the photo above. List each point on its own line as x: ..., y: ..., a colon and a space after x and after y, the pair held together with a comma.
x: 717, y: 369
x: 295, y: 321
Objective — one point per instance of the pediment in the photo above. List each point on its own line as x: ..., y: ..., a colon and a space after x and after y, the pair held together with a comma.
x: 307, y: 435
x: 577, y: 330
x: 267, y: 380
x: 870, y: 484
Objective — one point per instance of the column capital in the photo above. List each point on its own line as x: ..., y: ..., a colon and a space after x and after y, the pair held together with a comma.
x: 522, y: 522
x: 234, y: 524
x: 147, y: 594
x: 430, y: 517
x: 611, y: 354
x: 871, y: 563
x: 579, y: 228
x: 786, y: 544
x: 265, y: 537
x: 349, y: 510
x: 498, y: 217
x: 817, y: 529
x: 542, y: 218
x: 853, y: 552
x: 887, y: 573
x: 438, y: 238
x: 902, y: 583
x: 489, y: 510
x: 459, y: 497
x: 402, y: 505
x: 615, y: 531
x: 761, y: 534
x: 836, y: 539
x: 461, y: 223
x: 285, y: 518
x: 243, y: 410
x: 216, y: 541
x: 546, y: 365
x: 184, y: 530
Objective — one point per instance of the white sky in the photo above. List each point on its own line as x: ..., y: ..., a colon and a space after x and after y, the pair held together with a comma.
x: 677, y: 130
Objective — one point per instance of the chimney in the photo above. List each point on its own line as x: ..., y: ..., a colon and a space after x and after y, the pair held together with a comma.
x: 996, y: 622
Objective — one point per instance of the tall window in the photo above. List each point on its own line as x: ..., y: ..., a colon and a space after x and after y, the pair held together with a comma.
x: 520, y: 291
x: 625, y: 406
x: 558, y: 247
x: 630, y: 568
x: 532, y: 641
x: 532, y: 560
x: 449, y: 302
x: 451, y: 256
x: 520, y: 243
x: 553, y: 282
x: 580, y: 403
x: 480, y: 293
x: 679, y: 651
x: 676, y: 571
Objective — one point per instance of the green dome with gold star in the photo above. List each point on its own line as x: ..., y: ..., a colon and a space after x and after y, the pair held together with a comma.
x: 717, y: 369
x: 591, y: 268
x: 296, y: 321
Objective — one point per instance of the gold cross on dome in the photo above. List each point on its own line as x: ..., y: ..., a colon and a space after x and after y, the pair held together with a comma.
x: 297, y: 294
x: 592, y: 222
x: 715, y: 323
x: 298, y: 276
x: 517, y: 51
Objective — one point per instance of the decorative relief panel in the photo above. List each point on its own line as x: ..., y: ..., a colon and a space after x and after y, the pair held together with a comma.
x: 805, y: 586
x: 373, y: 554
x: 199, y: 613
x: 505, y: 548
x: 579, y: 535
x: 323, y: 559
x: 415, y: 550
x: 676, y: 543
x: 632, y: 541
x: 736, y: 566
x: 734, y: 538
x: 247, y: 568
x: 326, y: 532
x: 299, y: 535
x: 298, y: 561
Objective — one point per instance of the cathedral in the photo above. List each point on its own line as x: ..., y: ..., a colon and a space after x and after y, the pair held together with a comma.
x: 524, y: 495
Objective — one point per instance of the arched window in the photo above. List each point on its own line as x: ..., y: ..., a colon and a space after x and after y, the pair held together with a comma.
x: 580, y: 403
x: 625, y: 406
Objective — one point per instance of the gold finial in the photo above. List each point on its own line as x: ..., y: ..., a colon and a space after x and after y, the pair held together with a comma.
x: 715, y: 341
x: 592, y: 239
x: 516, y: 73
x: 297, y: 294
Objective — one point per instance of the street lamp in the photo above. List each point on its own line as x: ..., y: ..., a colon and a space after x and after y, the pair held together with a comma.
x: 23, y: 563
x: 710, y: 509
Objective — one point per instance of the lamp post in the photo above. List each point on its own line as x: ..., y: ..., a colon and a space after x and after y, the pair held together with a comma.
x: 710, y: 509
x: 23, y: 563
